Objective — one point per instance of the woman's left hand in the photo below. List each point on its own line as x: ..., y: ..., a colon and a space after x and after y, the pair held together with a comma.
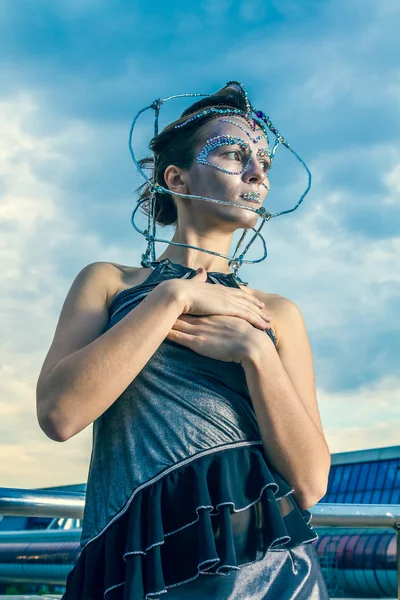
x: 222, y: 337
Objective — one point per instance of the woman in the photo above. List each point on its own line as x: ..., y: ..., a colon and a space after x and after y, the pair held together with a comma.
x: 208, y: 447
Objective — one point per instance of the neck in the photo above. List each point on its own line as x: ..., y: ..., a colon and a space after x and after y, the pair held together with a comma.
x: 189, y: 257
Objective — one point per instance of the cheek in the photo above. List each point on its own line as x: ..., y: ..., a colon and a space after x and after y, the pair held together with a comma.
x: 210, y: 178
x: 224, y: 180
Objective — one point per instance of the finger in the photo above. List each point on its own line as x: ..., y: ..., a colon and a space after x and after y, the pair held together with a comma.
x: 182, y: 338
x: 259, y: 309
x: 248, y: 301
x: 184, y: 325
x: 256, y: 301
x: 248, y: 295
x: 254, y: 310
x: 189, y: 318
x: 247, y: 292
x: 254, y: 316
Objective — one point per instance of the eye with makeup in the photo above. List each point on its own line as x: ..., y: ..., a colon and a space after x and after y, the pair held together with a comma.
x: 266, y: 165
x: 232, y: 160
x: 243, y: 157
x: 237, y: 153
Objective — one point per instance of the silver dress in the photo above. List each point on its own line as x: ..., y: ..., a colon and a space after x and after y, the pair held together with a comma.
x: 181, y: 501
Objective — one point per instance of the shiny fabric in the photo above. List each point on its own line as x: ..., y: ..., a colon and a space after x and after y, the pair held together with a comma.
x: 181, y: 499
x: 217, y: 514
x: 180, y: 405
x: 279, y: 575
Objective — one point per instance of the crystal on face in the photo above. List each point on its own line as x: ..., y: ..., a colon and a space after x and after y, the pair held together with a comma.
x: 223, y: 140
x: 252, y: 196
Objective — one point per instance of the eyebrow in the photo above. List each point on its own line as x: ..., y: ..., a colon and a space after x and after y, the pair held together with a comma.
x: 215, y: 133
x: 262, y: 150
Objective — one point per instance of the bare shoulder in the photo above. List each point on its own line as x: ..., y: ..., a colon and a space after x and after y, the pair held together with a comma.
x: 280, y: 308
x: 118, y: 278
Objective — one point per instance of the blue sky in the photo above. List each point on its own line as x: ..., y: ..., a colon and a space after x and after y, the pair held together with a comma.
x: 72, y: 76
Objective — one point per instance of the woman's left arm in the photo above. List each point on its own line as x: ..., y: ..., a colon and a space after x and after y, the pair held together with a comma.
x: 282, y: 389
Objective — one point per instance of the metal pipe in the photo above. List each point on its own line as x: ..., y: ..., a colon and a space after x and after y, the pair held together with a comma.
x: 43, y: 503
x: 355, y: 515
x: 16, y: 501
x: 398, y: 557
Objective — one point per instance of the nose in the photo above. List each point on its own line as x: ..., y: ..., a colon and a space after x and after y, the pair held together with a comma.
x: 254, y: 173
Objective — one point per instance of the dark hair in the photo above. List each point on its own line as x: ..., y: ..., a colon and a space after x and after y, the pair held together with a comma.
x: 176, y: 147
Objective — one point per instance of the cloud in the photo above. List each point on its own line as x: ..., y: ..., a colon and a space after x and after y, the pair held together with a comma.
x: 363, y: 418
x: 343, y: 276
x: 38, y: 464
x: 379, y: 435
x: 72, y: 77
x: 392, y: 182
x: 253, y: 11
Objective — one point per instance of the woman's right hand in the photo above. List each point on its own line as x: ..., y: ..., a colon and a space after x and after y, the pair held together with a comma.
x: 218, y: 299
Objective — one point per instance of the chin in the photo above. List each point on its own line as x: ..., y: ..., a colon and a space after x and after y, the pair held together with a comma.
x: 239, y: 218
x: 246, y: 219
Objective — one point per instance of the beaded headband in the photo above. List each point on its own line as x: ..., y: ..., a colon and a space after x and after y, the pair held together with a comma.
x: 254, y: 118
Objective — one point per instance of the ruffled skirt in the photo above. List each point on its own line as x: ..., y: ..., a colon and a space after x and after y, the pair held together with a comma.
x: 280, y: 575
x: 225, y: 525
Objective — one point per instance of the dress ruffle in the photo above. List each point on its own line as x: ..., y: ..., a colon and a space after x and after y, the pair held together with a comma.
x: 211, y: 516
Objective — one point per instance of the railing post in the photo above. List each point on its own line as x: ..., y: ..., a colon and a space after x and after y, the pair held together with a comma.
x: 397, y: 529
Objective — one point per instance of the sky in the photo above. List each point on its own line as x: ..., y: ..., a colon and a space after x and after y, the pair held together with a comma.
x: 74, y: 73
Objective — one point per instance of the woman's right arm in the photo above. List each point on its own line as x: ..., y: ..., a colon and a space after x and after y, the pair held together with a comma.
x: 86, y: 370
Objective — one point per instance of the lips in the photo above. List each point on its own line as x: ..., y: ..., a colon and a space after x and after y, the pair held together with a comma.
x: 251, y: 196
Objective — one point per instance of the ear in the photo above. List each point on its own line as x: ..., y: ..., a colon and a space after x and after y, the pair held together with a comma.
x: 174, y: 177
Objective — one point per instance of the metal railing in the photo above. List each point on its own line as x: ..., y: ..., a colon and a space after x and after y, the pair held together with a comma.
x: 42, y: 503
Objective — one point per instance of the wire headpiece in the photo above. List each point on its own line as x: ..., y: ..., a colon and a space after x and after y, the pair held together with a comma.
x: 254, y: 118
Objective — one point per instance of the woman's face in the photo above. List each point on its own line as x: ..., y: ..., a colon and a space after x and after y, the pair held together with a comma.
x: 231, y: 160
